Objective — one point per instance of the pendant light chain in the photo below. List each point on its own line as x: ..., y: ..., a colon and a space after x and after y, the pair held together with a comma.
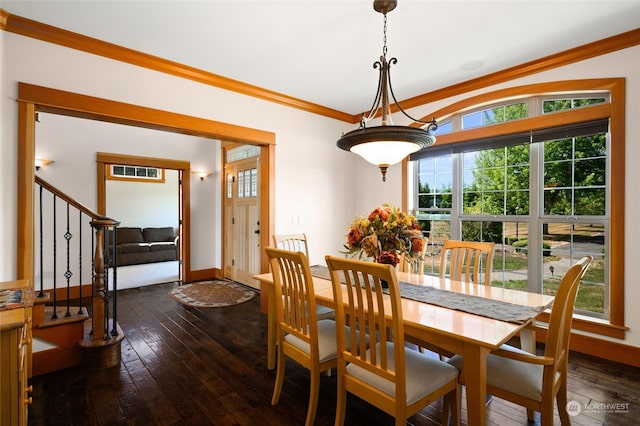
x: 384, y: 37
x: 386, y: 144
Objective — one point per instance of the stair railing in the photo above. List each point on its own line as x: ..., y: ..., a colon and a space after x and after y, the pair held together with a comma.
x: 94, y: 256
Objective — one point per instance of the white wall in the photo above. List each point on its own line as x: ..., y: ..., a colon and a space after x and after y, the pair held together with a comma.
x: 73, y: 143
x: 144, y: 204
x: 315, y: 182
x: 307, y: 163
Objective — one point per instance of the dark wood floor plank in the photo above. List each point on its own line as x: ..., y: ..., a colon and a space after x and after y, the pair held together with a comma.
x: 197, y: 366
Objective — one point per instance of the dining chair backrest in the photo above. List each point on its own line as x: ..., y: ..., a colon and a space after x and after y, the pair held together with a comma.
x: 398, y: 380
x: 559, y: 332
x: 467, y: 261
x: 292, y: 242
x: 293, y: 285
x: 416, y: 265
x: 301, y: 336
x: 364, y: 303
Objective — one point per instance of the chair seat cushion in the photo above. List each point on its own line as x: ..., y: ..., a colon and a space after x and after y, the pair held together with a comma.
x: 327, y: 344
x: 424, y: 374
x: 517, y: 377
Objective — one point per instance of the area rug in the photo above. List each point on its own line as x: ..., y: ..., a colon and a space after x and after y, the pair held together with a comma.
x: 212, y: 294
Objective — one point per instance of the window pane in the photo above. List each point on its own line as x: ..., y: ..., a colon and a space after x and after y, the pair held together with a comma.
x: 590, y: 202
x: 591, y: 146
x: 590, y: 172
x: 496, y: 181
x: 436, y: 228
x: 435, y: 182
x: 470, y: 121
x: 556, y: 150
x: 510, y: 258
x: 557, y: 174
x: 565, y: 244
x: 494, y: 115
x: 564, y: 104
x: 444, y: 128
x: 575, y: 176
x: 557, y: 202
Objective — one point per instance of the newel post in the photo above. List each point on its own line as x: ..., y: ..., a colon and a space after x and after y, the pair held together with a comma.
x: 100, y: 293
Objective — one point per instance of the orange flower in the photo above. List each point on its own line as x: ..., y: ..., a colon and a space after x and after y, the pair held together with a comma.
x: 382, y: 213
x: 353, y: 237
x: 417, y: 245
x: 388, y: 258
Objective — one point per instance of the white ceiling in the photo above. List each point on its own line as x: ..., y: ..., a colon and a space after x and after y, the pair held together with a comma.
x: 322, y: 51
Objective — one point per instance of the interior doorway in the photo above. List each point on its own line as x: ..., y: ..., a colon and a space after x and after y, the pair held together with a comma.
x: 32, y: 99
x: 145, y: 202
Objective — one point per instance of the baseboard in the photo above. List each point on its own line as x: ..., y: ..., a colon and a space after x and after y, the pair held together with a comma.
x: 205, y: 274
x: 606, y: 349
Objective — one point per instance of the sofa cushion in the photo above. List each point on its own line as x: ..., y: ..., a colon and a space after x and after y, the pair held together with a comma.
x: 167, y: 233
x: 129, y: 235
x: 134, y: 248
x: 162, y: 245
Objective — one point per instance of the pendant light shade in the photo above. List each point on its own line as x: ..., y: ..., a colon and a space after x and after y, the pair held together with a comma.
x: 386, y: 144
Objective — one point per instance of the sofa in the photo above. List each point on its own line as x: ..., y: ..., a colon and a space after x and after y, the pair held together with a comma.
x: 136, y: 246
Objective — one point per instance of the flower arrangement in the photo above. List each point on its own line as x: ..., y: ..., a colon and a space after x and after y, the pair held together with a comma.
x: 385, y: 235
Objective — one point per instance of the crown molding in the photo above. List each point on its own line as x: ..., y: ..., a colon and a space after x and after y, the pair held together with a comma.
x: 37, y: 30
x: 51, y: 34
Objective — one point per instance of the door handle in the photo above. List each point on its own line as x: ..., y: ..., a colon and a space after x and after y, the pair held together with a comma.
x: 257, y: 231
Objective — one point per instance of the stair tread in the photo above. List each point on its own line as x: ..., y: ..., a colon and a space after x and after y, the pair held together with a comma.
x: 76, y: 314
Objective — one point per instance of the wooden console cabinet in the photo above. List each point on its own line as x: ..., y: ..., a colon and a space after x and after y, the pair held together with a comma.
x: 16, y: 301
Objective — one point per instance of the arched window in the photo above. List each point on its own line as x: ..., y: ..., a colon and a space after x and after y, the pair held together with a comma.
x: 536, y: 170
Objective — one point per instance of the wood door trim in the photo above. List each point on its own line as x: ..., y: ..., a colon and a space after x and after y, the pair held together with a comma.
x: 104, y: 159
x: 32, y: 99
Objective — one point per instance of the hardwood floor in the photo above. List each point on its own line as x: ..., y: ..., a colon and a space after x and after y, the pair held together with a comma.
x: 190, y: 366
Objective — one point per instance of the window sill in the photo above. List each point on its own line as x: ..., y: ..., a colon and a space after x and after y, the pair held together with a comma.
x: 592, y: 325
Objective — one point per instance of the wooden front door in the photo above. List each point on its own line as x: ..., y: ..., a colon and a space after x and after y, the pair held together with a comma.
x: 242, y: 221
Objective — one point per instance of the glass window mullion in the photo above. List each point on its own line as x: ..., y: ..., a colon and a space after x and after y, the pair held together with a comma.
x: 456, y: 199
x: 536, y: 210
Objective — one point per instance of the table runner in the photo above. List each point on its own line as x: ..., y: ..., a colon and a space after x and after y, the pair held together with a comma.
x: 495, y: 309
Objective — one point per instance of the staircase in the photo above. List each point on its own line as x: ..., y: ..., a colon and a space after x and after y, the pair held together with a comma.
x: 73, y: 323
x: 55, y: 341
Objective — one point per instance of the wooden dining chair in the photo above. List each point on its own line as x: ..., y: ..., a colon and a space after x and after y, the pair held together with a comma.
x: 467, y: 261
x: 298, y: 242
x: 301, y: 336
x: 292, y: 242
x: 388, y: 375
x: 535, y: 381
x: 415, y: 266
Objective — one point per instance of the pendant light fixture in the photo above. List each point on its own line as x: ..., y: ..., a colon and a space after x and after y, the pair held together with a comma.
x: 386, y: 144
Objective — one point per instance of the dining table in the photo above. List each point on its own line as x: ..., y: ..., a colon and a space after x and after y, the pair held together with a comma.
x: 468, y: 319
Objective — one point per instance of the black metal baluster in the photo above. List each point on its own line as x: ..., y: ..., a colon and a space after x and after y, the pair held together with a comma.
x: 68, y: 274
x: 41, y: 249
x: 114, y: 330
x: 55, y: 261
x: 80, y: 261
